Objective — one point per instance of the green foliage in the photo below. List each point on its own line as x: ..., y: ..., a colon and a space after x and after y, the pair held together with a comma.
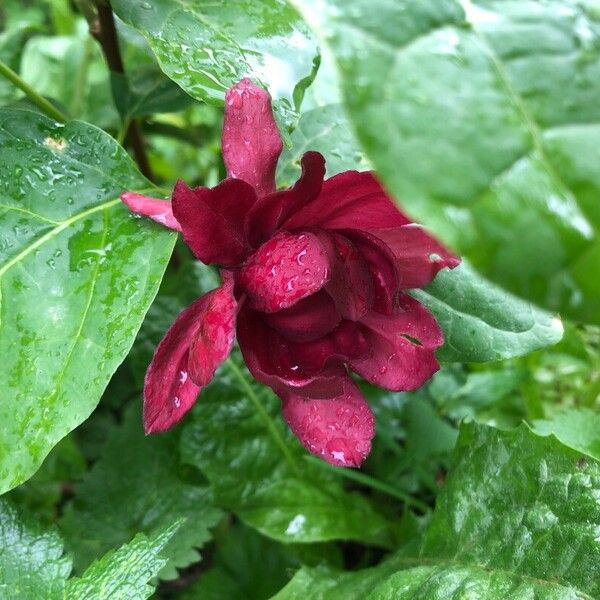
x: 237, y: 438
x: 517, y: 518
x: 206, y: 48
x: 480, y: 131
x: 138, y: 485
x: 32, y: 564
x: 77, y: 275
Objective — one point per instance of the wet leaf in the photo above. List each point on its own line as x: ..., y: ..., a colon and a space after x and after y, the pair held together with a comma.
x: 77, y: 274
x: 481, y: 322
x: 517, y: 518
x: 207, y: 47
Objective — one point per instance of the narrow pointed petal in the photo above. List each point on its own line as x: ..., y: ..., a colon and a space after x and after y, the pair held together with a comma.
x: 160, y: 211
x: 418, y: 256
x: 271, y: 211
x: 212, y: 220
x: 251, y: 141
x: 216, y: 332
x: 339, y: 430
x: 284, y: 270
x: 402, y: 346
x: 350, y: 200
x: 169, y: 390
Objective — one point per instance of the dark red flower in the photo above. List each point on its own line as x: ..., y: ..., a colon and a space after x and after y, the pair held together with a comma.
x: 314, y: 285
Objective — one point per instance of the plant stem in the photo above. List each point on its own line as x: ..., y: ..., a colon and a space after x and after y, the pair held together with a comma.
x: 236, y: 371
x: 104, y: 30
x: 371, y: 482
x: 46, y: 107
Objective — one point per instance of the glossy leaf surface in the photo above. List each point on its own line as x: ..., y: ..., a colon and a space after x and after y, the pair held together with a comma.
x: 208, y: 47
x: 517, y: 518
x: 482, y: 119
x: 77, y: 274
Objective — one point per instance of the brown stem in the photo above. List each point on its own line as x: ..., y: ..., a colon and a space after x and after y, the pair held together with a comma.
x: 104, y: 30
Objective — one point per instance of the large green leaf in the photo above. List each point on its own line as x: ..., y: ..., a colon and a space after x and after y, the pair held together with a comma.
x: 207, y: 47
x: 77, y: 274
x: 32, y: 564
x: 517, y: 518
x: 238, y: 439
x: 482, y: 322
x: 482, y: 119
x: 138, y: 485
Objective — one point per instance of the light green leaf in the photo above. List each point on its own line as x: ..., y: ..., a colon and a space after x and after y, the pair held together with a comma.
x: 481, y: 322
x: 138, y: 485
x: 124, y: 574
x: 77, y: 274
x: 517, y: 518
x: 207, y: 47
x: 237, y: 438
x: 32, y: 565
x: 454, y: 104
x: 578, y: 428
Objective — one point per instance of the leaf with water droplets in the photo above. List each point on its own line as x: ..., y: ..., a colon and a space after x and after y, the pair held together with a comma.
x: 77, y: 274
x: 517, y: 518
x: 208, y: 47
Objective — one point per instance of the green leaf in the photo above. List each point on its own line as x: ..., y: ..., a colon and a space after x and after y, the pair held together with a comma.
x: 326, y: 130
x: 578, y: 428
x: 124, y: 574
x: 481, y: 117
x: 138, y: 485
x: 32, y: 565
x: 517, y: 518
x: 481, y: 322
x: 207, y: 47
x: 77, y: 274
x: 238, y: 439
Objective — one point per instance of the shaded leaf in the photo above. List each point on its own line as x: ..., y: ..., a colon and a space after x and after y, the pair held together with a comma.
x: 137, y: 485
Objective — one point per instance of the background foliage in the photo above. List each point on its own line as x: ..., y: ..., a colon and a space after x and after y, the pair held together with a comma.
x: 481, y: 118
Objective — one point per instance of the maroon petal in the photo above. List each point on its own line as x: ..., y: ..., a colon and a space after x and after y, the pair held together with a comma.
x: 276, y: 362
x: 212, y: 220
x: 339, y: 430
x: 418, y: 255
x: 216, y: 333
x: 251, y: 141
x: 350, y: 200
x: 169, y: 391
x: 402, y: 347
x: 284, y: 270
x: 350, y: 284
x: 269, y: 212
x: 160, y: 211
x: 307, y: 320
x: 381, y: 263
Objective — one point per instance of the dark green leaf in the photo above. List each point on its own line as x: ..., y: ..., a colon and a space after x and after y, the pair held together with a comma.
x: 238, y: 439
x: 138, y: 486
x: 207, y: 47
x: 482, y: 119
x: 77, y: 274
x: 481, y: 322
x: 517, y: 518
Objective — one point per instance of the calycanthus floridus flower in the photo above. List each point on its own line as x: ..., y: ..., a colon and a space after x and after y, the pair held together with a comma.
x: 314, y: 286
